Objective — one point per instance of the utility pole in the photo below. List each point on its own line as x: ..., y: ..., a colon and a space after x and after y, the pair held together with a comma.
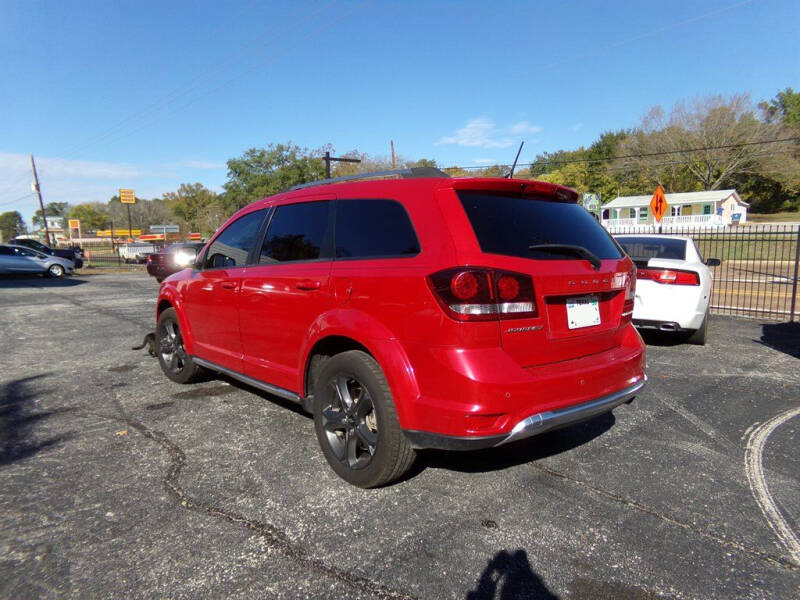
x: 394, y: 159
x: 329, y: 159
x: 41, y: 204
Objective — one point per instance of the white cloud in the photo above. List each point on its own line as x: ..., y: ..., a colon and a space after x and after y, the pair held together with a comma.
x: 484, y: 161
x: 577, y: 127
x: 523, y: 127
x: 477, y: 133
x: 481, y: 132
x: 62, y: 167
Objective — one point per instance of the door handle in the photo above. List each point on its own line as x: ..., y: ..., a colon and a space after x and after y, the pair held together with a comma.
x: 228, y: 285
x: 308, y: 284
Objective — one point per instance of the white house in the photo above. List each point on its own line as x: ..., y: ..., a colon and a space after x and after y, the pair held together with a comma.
x: 706, y: 209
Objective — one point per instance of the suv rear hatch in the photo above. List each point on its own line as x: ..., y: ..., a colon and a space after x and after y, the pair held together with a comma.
x: 582, y: 282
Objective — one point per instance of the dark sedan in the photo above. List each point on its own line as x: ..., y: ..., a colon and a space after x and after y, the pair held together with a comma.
x: 172, y: 259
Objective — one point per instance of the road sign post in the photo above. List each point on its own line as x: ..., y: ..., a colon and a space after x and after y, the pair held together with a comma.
x: 128, y: 197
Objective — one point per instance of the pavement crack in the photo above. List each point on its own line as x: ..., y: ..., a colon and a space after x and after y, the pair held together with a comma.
x: 635, y: 505
x: 274, y: 537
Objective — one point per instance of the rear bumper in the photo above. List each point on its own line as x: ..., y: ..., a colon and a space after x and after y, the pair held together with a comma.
x: 530, y: 426
x: 475, y: 398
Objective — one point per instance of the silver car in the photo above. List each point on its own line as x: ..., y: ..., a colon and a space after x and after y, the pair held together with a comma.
x: 19, y: 259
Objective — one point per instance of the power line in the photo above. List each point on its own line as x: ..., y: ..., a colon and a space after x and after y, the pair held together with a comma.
x: 118, y: 131
x: 17, y: 200
x: 644, y: 154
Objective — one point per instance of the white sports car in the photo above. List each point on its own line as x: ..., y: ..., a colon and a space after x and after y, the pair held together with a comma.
x: 673, y: 284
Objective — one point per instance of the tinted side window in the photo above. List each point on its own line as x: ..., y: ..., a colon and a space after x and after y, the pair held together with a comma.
x: 373, y: 228
x: 5, y: 251
x: 298, y: 232
x: 232, y: 246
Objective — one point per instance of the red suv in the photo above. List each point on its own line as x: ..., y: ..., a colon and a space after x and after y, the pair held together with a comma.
x: 412, y: 313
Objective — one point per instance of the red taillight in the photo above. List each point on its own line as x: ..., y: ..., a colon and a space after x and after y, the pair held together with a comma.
x: 630, y: 295
x: 469, y: 294
x: 669, y: 276
x: 149, y: 258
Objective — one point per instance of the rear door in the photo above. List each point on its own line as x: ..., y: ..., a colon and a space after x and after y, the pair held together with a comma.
x: 579, y: 273
x: 286, y: 290
x: 211, y: 296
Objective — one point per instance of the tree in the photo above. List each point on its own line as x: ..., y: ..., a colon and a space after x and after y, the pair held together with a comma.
x: 706, y: 144
x: 53, y: 209
x: 11, y: 225
x: 92, y: 215
x: 783, y: 108
x: 261, y: 172
x: 196, y: 205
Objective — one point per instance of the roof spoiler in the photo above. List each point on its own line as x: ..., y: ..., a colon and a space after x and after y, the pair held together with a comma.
x: 410, y: 173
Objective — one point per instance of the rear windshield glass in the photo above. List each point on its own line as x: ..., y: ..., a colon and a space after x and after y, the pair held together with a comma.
x: 508, y: 225
x: 648, y: 247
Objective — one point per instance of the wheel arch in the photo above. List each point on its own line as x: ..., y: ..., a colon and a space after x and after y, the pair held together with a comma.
x: 336, y: 333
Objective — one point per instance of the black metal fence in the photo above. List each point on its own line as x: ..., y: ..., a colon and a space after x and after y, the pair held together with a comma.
x: 758, y: 276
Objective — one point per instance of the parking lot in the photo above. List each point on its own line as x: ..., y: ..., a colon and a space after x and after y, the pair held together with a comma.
x: 116, y: 482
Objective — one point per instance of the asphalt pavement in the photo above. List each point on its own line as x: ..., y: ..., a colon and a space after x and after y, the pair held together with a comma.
x: 116, y: 482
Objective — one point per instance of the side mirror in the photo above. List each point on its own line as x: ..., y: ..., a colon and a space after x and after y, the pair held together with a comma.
x: 713, y: 262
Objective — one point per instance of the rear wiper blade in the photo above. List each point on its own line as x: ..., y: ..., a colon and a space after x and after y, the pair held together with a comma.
x: 569, y: 249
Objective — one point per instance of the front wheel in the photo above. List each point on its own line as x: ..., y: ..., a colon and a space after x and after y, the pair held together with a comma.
x: 356, y: 422
x: 55, y: 270
x: 176, y: 364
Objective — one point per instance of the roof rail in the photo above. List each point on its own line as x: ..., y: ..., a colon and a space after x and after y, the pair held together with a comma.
x: 410, y: 173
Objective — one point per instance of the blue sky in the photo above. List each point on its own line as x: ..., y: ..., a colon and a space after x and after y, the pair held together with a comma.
x: 151, y: 94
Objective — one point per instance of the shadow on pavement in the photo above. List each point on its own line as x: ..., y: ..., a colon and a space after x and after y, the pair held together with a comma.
x: 662, y: 338
x: 18, y: 420
x: 28, y: 281
x: 509, y: 576
x: 522, y: 452
x: 784, y: 337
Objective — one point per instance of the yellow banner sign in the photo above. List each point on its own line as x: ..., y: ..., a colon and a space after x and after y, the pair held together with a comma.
x: 127, y: 197
x: 118, y: 232
x: 74, y: 223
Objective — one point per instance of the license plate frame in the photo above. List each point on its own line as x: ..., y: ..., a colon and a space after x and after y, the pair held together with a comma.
x: 583, y: 311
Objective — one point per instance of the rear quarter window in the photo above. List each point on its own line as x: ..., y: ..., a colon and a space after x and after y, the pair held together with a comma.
x: 510, y: 224
x: 374, y: 229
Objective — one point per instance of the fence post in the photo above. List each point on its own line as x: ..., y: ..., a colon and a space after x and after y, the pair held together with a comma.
x: 794, y: 281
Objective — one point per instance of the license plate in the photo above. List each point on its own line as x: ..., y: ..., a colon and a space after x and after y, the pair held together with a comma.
x: 583, y: 312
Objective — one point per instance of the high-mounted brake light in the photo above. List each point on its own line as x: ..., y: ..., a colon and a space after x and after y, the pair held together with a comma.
x: 669, y: 276
x: 470, y: 294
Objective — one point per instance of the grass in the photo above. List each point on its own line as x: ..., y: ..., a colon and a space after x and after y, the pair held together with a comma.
x: 780, y: 217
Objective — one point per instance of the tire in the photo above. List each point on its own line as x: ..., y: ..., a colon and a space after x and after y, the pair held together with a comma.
x: 176, y: 364
x: 698, y: 337
x: 55, y: 270
x: 356, y: 422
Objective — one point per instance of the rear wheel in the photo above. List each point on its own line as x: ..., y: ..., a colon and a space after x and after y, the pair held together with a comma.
x: 356, y: 422
x: 55, y: 270
x: 698, y: 337
x: 176, y: 364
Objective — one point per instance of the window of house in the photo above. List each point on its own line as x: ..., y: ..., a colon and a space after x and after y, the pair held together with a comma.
x: 643, y: 214
x: 298, y: 232
x: 706, y: 209
x: 233, y: 245
x: 631, y: 213
x: 373, y: 229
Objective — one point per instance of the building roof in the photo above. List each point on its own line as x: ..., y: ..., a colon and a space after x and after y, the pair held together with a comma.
x: 677, y: 199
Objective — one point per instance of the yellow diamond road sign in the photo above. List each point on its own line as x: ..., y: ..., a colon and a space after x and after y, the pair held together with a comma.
x: 127, y: 197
